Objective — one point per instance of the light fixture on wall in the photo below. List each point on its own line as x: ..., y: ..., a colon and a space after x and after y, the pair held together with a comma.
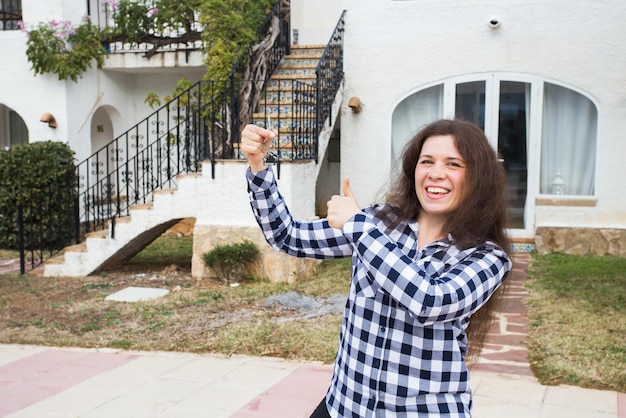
x: 355, y: 104
x: 49, y: 119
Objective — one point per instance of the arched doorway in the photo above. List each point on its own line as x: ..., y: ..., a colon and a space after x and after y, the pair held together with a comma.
x: 13, y: 129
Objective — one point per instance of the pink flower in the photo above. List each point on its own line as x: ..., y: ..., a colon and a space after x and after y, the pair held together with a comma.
x: 152, y: 12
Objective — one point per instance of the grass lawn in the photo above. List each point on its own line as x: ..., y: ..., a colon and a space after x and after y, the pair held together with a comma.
x: 577, y: 313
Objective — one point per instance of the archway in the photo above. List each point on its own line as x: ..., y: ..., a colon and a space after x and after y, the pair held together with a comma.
x: 13, y: 129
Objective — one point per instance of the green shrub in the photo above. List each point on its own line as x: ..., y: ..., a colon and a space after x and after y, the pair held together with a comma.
x: 40, y: 176
x: 231, y: 262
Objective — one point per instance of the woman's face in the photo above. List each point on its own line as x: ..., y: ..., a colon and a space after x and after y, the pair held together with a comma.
x: 439, y: 176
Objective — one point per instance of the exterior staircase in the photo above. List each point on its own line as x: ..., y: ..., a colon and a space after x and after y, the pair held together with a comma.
x: 279, y: 108
x: 221, y: 199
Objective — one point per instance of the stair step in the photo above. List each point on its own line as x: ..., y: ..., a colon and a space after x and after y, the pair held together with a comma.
x: 165, y: 191
x: 306, y: 50
x: 77, y: 248
x: 289, y: 121
x: 299, y: 62
x: 122, y: 220
x: 103, y: 233
x: 282, y: 82
x: 59, y: 259
x: 141, y: 206
x: 273, y: 110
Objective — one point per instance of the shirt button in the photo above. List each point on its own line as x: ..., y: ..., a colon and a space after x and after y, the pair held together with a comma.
x: 383, y: 329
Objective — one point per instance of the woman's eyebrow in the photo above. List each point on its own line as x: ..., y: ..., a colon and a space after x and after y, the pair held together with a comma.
x: 450, y: 157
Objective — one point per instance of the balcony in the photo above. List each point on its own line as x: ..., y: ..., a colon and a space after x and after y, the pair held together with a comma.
x: 10, y: 14
x: 158, y: 48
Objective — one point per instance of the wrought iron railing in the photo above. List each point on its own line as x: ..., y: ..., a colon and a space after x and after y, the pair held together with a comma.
x: 44, y: 226
x: 10, y: 14
x: 202, y: 124
x: 329, y: 73
x: 185, y: 38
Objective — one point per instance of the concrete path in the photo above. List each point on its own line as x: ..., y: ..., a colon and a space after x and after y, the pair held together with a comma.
x: 44, y: 382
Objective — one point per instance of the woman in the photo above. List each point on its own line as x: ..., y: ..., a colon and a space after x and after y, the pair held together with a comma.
x: 424, y: 262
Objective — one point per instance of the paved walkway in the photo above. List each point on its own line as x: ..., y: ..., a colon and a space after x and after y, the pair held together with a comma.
x: 44, y: 382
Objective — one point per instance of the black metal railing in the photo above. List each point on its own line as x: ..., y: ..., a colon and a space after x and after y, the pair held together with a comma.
x: 202, y: 124
x: 174, y: 139
x: 186, y: 37
x: 329, y: 73
x: 10, y: 14
x: 45, y: 225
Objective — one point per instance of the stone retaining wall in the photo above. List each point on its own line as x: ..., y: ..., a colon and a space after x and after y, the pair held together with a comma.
x: 581, y: 241
x: 274, y: 265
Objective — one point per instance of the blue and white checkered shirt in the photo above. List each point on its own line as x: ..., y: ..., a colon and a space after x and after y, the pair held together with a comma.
x: 402, y: 341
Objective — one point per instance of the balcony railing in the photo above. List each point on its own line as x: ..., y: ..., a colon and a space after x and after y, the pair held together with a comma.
x: 10, y: 14
x: 185, y: 38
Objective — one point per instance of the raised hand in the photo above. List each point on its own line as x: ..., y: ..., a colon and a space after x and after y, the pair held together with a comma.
x: 342, y: 208
x: 255, y: 141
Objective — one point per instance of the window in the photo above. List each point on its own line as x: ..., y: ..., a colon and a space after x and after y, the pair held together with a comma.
x: 10, y: 14
x: 568, y: 142
x: 412, y: 113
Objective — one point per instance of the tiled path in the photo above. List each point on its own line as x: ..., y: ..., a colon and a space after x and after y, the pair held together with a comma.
x: 505, y: 349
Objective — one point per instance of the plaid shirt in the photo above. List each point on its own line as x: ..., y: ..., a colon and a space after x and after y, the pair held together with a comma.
x: 402, y: 341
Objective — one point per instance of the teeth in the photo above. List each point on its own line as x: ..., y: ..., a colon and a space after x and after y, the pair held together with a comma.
x: 436, y: 190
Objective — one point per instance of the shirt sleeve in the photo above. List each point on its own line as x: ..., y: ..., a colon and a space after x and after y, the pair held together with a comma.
x: 446, y: 286
x: 315, y: 239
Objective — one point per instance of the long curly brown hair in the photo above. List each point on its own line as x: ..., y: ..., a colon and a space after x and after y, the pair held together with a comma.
x: 482, y: 214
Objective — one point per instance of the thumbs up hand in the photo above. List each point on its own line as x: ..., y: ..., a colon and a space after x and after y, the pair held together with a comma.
x: 342, y: 208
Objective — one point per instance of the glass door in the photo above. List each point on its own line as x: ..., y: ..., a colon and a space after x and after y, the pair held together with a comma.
x: 513, y: 123
x: 501, y: 108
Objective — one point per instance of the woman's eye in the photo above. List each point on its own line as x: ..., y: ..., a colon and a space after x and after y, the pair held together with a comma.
x: 425, y: 162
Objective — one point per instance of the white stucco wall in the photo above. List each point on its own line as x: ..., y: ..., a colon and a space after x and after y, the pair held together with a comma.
x: 314, y: 20
x: 395, y: 47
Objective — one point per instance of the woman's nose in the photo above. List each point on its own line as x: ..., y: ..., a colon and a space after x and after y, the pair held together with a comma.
x: 436, y: 172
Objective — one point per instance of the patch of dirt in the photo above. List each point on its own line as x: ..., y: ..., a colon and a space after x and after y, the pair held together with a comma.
x: 34, y: 297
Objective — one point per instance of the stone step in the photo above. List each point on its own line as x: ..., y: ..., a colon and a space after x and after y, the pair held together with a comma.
x: 288, y: 121
x: 306, y: 50
x: 285, y: 108
x: 281, y: 81
x: 291, y: 71
x: 300, y: 62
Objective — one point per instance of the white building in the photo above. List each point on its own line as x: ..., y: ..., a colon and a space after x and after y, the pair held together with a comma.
x: 545, y: 80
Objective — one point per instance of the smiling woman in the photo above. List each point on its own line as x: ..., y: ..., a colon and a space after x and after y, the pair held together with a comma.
x: 423, y: 263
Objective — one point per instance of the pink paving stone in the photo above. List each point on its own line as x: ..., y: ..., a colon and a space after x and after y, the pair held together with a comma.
x: 511, y: 340
x: 621, y: 405
x: 295, y: 396
x: 37, y: 377
x: 516, y: 355
x: 522, y: 370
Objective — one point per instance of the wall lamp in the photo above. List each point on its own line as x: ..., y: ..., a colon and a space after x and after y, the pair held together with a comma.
x: 355, y: 104
x: 49, y: 119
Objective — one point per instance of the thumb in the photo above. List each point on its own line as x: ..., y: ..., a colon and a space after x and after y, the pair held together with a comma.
x: 345, y: 187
